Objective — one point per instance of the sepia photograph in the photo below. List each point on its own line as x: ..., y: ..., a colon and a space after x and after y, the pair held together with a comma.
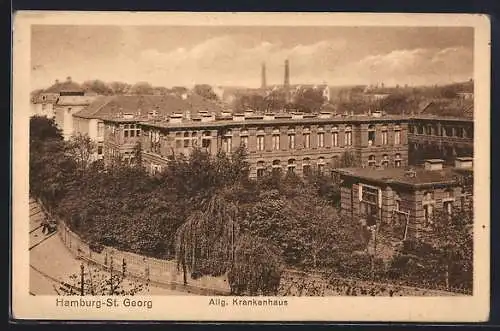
x: 251, y: 166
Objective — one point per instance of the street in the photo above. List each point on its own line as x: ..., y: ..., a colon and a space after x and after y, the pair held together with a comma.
x: 51, y: 262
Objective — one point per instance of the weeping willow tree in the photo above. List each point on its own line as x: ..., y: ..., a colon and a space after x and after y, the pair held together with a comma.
x: 205, y: 242
x: 256, y: 269
x: 210, y: 243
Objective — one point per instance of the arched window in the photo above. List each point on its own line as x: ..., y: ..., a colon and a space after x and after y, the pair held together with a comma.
x: 385, y: 160
x: 321, y: 164
x: 291, y: 165
x: 306, y: 166
x: 261, y: 167
x: 371, y: 160
x: 397, y: 160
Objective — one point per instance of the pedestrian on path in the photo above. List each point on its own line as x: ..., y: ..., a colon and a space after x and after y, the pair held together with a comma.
x: 45, y: 225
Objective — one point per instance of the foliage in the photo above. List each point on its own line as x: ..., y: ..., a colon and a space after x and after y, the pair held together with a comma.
x: 141, y: 88
x: 93, y: 281
x: 309, y: 100
x: 256, y: 269
x: 97, y: 86
x: 205, y: 91
x: 82, y: 149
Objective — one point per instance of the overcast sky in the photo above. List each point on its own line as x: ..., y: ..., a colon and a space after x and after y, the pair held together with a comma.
x: 170, y: 56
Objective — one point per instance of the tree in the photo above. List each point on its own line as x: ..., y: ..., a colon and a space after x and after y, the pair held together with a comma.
x: 256, y: 269
x: 141, y: 88
x: 119, y: 88
x: 309, y: 100
x: 82, y: 150
x: 205, y: 91
x: 43, y: 129
x: 97, y: 86
x: 93, y: 281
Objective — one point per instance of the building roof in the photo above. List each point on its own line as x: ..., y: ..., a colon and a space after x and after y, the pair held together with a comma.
x: 450, y: 107
x: 423, y: 177
x: 41, y: 97
x: 110, y: 107
x: 75, y: 100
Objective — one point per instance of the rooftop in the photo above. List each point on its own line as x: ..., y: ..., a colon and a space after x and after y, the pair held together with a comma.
x: 75, y: 100
x: 139, y: 106
x: 422, y: 177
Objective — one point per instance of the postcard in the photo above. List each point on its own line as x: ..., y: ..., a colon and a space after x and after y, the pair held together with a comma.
x: 250, y: 167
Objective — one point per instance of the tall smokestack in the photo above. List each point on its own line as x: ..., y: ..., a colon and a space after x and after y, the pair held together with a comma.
x: 286, y: 84
x: 263, y: 83
x: 287, y: 74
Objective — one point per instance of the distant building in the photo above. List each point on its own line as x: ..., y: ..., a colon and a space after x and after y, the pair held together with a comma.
x: 404, y: 199
x: 440, y: 137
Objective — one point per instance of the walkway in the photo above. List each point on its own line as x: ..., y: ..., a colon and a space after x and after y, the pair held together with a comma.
x: 51, y: 262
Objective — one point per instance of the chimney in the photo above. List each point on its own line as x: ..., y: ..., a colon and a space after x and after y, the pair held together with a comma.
x: 286, y: 83
x: 187, y: 115
x: 68, y: 79
x: 464, y: 162
x: 263, y: 83
x: 433, y: 164
x: 175, y: 118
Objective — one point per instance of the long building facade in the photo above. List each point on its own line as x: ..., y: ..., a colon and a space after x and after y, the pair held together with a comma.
x: 297, y: 143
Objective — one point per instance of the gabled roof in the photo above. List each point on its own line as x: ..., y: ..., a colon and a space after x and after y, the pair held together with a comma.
x: 142, y: 105
x: 75, y: 100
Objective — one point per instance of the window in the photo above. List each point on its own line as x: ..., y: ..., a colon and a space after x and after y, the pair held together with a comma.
x: 385, y: 160
x: 428, y: 204
x: 228, y: 141
x: 448, y: 207
x: 420, y: 129
x: 276, y: 139
x: 335, y: 136
x: 276, y: 167
x: 291, y: 139
x: 321, y: 139
x: 385, y: 140
x: 307, y: 138
x: 412, y: 129
x: 244, y: 138
x: 100, y: 130
x: 371, y: 135
x: 260, y: 140
x: 206, y: 140
x: 194, y: 139
x: 306, y: 167
x: 397, y: 135
x: 321, y: 165
x: 428, y: 130
x: 260, y: 169
x: 371, y: 161
x: 335, y: 162
x: 187, y: 139
x: 397, y: 205
x: 428, y: 215
x: 348, y: 135
x: 369, y: 201
x: 291, y: 166
x: 154, y: 137
x: 99, y: 150
x: 397, y: 160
